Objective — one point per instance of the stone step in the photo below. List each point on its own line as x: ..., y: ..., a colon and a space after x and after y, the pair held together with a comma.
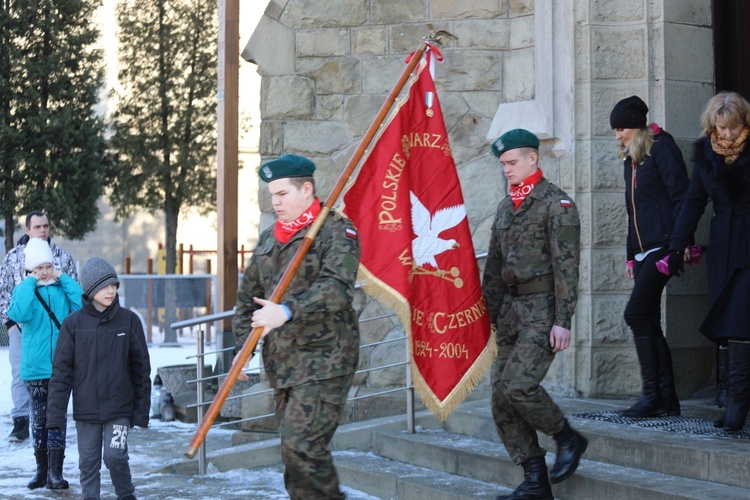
x: 723, y: 460
x: 622, y: 461
x: 390, y: 479
x: 487, y: 462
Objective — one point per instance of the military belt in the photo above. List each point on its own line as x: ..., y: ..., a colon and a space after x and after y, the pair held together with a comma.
x: 529, y: 288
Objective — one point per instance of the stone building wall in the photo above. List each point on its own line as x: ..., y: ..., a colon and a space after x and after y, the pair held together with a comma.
x: 555, y: 67
x: 663, y: 52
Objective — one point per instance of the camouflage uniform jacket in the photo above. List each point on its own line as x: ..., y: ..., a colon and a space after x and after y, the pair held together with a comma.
x: 321, y: 341
x: 13, y: 271
x: 540, y: 240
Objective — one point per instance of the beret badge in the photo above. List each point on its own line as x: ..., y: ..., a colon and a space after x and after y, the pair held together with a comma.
x: 266, y: 172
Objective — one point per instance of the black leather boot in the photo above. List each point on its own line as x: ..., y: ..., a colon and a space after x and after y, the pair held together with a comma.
x: 570, y: 446
x: 670, y: 401
x: 20, y: 430
x: 719, y: 422
x: 40, y: 478
x: 722, y: 375
x: 535, y: 485
x: 739, y: 386
x: 55, y: 481
x: 650, y: 403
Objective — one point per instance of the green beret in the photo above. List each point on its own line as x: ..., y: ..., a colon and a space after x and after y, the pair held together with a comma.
x: 514, y: 139
x: 286, y: 166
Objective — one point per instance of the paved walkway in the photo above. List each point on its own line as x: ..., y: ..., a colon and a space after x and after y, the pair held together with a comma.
x: 151, y: 449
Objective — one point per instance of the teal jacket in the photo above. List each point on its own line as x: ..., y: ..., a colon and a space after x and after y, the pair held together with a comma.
x: 38, y: 331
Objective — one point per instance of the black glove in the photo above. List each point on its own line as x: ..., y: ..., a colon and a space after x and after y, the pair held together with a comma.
x: 676, y: 262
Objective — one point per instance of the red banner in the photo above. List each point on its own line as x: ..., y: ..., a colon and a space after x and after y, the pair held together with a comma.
x: 417, y: 253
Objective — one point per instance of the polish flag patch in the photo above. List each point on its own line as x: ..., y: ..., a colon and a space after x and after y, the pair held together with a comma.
x: 564, y: 203
x: 351, y: 233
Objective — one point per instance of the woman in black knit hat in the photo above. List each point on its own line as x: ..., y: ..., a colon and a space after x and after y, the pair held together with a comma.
x: 655, y: 183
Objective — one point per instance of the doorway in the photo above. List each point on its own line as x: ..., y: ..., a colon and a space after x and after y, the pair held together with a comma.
x: 732, y: 46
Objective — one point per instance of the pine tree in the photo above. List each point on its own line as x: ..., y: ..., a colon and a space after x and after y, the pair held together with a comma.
x: 52, y: 144
x: 165, y: 123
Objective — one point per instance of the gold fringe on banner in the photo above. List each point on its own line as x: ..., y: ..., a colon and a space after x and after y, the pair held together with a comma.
x: 390, y: 298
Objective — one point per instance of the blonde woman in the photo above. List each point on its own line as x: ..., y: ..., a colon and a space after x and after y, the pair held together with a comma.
x: 655, y: 183
x: 721, y: 173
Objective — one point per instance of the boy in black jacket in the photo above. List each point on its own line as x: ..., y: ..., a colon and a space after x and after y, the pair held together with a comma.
x: 103, y: 357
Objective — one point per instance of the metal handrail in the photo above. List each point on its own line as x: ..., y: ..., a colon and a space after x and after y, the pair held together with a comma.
x: 200, y: 378
x: 200, y: 355
x: 252, y: 370
x: 209, y: 318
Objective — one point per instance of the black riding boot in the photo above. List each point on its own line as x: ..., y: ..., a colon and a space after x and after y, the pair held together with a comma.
x: 670, y: 402
x: 20, y: 430
x: 535, y: 485
x: 739, y: 386
x: 40, y: 478
x: 722, y: 375
x: 570, y: 446
x: 55, y: 480
x: 650, y: 403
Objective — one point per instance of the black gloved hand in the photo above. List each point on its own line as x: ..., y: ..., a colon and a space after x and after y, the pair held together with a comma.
x: 676, y: 262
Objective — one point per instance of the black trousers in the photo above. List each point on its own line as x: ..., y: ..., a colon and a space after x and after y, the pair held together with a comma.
x: 643, y: 312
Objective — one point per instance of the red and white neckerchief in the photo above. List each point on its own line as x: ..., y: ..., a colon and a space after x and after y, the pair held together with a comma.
x: 283, y: 231
x: 520, y: 192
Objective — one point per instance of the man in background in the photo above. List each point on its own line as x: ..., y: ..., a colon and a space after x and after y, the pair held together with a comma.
x: 12, y: 272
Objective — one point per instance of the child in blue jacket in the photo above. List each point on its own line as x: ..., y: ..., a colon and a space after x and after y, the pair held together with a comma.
x: 39, y: 304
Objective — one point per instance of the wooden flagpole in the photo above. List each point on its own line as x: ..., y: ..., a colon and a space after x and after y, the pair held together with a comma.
x: 244, y: 354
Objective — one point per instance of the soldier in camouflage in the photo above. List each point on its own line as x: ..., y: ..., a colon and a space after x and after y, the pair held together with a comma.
x: 530, y: 285
x: 311, y: 339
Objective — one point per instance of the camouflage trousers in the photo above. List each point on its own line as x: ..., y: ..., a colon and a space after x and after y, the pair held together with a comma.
x: 520, y: 405
x: 308, y: 416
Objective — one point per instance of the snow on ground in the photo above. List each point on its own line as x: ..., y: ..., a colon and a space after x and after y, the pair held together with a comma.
x: 150, y: 450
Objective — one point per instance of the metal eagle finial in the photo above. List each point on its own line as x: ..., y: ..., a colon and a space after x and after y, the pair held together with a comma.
x: 437, y: 36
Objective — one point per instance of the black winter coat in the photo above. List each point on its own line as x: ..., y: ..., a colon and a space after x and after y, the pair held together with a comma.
x: 103, y: 358
x: 728, y: 187
x: 654, y: 191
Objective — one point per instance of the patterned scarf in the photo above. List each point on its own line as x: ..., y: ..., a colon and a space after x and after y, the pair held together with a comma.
x: 730, y: 149
x: 283, y: 231
x: 520, y: 192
